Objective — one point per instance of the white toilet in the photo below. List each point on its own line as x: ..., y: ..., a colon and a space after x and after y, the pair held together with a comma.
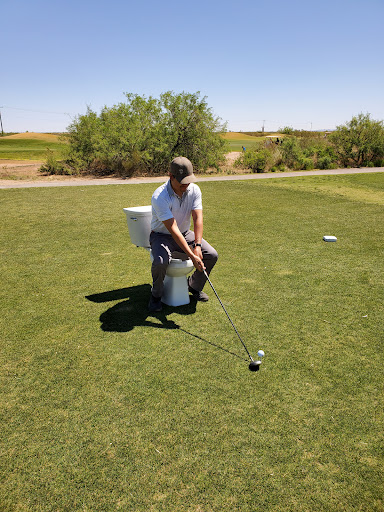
x: 175, y: 282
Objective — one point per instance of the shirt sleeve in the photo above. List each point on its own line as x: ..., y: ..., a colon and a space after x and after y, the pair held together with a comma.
x: 197, y: 199
x: 161, y: 208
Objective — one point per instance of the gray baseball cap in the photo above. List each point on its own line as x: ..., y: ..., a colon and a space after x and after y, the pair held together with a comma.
x: 182, y: 170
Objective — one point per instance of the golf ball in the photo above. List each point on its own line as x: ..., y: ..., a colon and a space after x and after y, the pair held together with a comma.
x: 261, y: 353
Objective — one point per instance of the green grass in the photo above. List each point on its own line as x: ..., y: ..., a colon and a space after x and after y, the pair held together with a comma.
x: 237, y: 145
x: 237, y: 140
x: 27, y: 149
x: 106, y: 408
x: 36, y: 149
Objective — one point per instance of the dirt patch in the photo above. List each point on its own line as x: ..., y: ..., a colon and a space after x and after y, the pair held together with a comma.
x: 232, y: 157
x: 29, y: 170
x: 20, y: 169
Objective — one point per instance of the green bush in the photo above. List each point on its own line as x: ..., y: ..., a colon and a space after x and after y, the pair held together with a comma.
x: 143, y: 135
x: 325, y: 162
x: 292, y: 153
x: 324, y: 156
x: 306, y: 164
x: 306, y: 134
x: 308, y: 153
x: 287, y: 130
x: 359, y: 142
x: 55, y: 166
x: 259, y: 159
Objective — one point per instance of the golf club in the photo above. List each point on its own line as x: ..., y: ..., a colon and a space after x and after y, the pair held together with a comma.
x: 253, y: 365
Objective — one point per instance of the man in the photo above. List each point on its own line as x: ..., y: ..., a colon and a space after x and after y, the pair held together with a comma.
x: 173, y: 204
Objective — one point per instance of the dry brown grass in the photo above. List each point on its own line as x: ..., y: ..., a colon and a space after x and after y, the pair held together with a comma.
x: 50, y: 137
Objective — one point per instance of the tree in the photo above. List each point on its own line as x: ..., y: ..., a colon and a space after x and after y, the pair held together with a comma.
x: 122, y: 139
x: 360, y: 142
x: 145, y: 134
x: 287, y: 130
x: 192, y: 130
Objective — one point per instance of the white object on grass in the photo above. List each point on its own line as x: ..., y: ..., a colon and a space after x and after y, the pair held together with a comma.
x: 261, y: 353
x: 329, y: 238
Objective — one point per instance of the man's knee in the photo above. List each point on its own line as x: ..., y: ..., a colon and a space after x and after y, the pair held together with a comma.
x: 212, y: 255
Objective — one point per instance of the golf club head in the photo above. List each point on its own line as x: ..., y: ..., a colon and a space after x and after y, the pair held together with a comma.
x: 254, y: 366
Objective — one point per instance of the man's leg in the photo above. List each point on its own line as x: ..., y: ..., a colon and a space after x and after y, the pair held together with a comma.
x: 162, y: 246
x: 210, y: 256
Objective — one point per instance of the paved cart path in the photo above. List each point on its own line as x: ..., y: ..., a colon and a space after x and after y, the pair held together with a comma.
x: 81, y: 182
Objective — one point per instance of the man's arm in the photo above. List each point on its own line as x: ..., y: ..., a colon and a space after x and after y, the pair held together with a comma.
x: 197, y: 216
x: 174, y: 230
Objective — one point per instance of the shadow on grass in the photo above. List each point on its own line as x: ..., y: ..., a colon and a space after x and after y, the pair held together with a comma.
x: 132, y: 311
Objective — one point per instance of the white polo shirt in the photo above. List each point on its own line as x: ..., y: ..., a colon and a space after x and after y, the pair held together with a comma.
x: 166, y: 204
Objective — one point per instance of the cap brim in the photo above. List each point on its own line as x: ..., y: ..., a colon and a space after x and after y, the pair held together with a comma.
x: 188, y: 179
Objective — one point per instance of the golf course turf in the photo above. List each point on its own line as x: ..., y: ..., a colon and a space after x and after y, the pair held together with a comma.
x: 105, y: 407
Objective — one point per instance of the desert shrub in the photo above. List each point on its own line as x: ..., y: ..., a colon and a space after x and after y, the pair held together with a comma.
x: 325, y: 156
x: 239, y: 162
x: 292, y: 153
x: 307, y: 134
x: 192, y: 130
x: 261, y: 158
x: 116, y: 140
x: 278, y: 168
x: 325, y: 162
x: 305, y: 164
x: 308, y: 153
x: 359, y: 142
x: 143, y: 135
x: 320, y: 151
x: 258, y: 160
x: 54, y: 166
x: 287, y: 130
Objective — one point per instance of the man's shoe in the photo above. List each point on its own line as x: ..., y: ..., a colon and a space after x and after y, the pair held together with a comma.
x: 155, y: 305
x: 201, y: 296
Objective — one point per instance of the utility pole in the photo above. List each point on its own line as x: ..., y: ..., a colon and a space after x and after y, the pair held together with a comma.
x: 1, y: 123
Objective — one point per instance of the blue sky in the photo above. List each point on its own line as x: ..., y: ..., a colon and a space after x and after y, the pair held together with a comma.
x: 306, y: 64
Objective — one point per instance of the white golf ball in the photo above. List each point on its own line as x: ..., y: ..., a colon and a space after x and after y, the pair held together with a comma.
x: 261, y: 353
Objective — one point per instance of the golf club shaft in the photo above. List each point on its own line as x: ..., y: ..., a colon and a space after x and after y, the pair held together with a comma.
x: 229, y: 318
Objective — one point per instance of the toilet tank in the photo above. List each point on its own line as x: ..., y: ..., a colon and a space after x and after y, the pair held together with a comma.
x: 139, y: 224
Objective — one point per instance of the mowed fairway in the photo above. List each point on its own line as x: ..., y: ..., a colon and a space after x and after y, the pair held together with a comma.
x: 105, y: 408
x: 238, y: 140
x: 29, y: 146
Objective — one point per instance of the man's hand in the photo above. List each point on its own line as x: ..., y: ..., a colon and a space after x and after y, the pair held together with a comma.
x: 198, y: 262
x: 172, y: 227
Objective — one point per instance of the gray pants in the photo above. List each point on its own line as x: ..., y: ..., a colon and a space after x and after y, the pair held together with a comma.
x: 163, y: 246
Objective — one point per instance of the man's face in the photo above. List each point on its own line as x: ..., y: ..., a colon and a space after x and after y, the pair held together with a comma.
x: 178, y: 187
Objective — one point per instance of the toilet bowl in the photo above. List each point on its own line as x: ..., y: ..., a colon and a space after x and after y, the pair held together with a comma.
x: 175, y: 282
